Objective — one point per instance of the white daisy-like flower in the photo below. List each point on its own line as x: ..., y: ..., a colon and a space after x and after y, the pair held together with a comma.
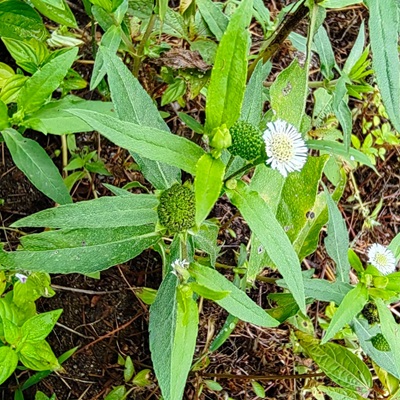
x: 21, y: 277
x: 179, y: 268
x: 285, y: 147
x: 382, y: 258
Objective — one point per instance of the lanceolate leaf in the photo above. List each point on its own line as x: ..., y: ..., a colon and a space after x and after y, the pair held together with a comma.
x: 133, y: 104
x: 216, y: 20
x: 187, y: 320
x: 236, y: 302
x: 63, y: 16
x: 162, y: 327
x: 289, y: 93
x: 383, y: 23
x: 253, y: 98
x: 390, y: 330
x: 351, y: 305
x: 34, y: 162
x: 54, y: 116
x: 79, y: 250
x: 148, y: 142
x: 228, y: 78
x: 208, y: 184
x: 337, y: 241
x: 338, y: 363
x: 385, y: 359
x: 263, y: 223
x: 339, y: 149
x: 45, y: 81
x: 105, y: 212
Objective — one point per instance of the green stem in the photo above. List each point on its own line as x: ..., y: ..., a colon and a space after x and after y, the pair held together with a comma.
x: 140, y: 51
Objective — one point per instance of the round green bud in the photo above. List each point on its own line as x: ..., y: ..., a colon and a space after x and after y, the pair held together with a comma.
x: 220, y: 137
x: 370, y: 312
x: 176, y: 210
x: 380, y: 343
x: 247, y: 140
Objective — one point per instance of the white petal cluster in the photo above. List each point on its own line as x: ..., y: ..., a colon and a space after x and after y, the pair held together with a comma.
x: 21, y: 277
x: 285, y: 148
x: 382, y: 258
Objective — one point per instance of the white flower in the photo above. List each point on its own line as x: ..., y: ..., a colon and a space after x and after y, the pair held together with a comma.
x: 179, y: 268
x: 285, y: 147
x: 21, y: 277
x: 382, y: 258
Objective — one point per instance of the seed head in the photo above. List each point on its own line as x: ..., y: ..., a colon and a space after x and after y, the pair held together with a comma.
x: 176, y: 210
x: 247, y: 140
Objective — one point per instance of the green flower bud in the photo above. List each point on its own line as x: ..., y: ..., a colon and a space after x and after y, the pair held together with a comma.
x: 370, y: 312
x: 176, y: 210
x: 221, y: 138
x: 247, y: 140
x: 380, y: 343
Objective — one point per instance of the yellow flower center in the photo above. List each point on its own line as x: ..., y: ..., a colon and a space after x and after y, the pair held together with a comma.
x: 381, y: 259
x: 282, y: 148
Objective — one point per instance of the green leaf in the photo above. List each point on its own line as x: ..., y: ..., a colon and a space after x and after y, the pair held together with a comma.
x: 192, y: 123
x: 29, y: 55
x: 148, y: 142
x: 45, y: 81
x: 208, y: 184
x: 258, y: 389
x: 3, y: 116
x: 390, y: 330
x: 335, y: 148
x: 338, y: 363
x: 352, y: 304
x: 54, y: 116
x: 289, y: 93
x: 263, y: 223
x: 18, y: 20
x: 337, y: 241
x: 342, y: 111
x: 206, y: 240
x: 385, y: 359
x: 356, y: 51
x: 8, y: 362
x: 208, y: 293
x: 228, y: 77
x: 382, y: 23
x: 173, y: 92
x: 129, y: 369
x: 336, y: 393
x: 118, y: 393
x: 63, y: 16
x: 110, y: 40
x: 253, y: 102
x: 34, y: 162
x: 216, y: 20
x: 39, y: 327
x: 395, y: 246
x: 80, y: 250
x: 12, y: 88
x: 38, y: 356
x: 323, y: 290
x: 236, y: 302
x: 355, y: 261
x: 173, y: 332
x: 325, y: 52
x: 133, y: 104
x: 105, y: 212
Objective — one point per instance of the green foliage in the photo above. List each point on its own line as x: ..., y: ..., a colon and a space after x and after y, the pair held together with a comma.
x: 285, y: 215
x: 246, y: 141
x: 176, y: 209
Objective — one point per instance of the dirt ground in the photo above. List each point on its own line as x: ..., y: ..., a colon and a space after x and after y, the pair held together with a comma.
x: 105, y: 319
